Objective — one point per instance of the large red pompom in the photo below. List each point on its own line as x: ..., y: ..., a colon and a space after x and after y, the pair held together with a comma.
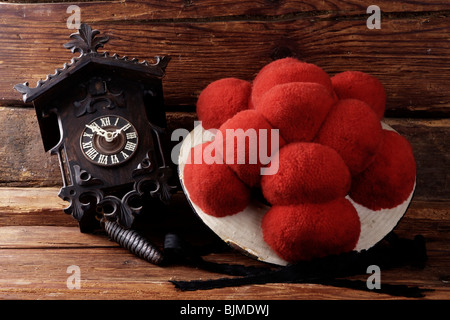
x: 307, y: 173
x: 221, y: 100
x: 361, y: 86
x: 390, y: 179
x: 213, y: 187
x: 308, y: 231
x: 354, y: 131
x: 247, y: 144
x: 284, y: 71
x: 297, y: 109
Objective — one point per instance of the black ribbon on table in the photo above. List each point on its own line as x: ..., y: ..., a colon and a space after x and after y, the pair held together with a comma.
x: 390, y: 253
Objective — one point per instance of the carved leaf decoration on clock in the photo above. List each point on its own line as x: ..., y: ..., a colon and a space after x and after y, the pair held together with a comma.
x: 86, y: 40
x: 98, y: 92
x: 80, y: 201
x: 118, y: 210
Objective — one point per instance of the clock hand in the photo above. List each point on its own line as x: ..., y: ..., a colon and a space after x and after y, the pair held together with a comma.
x: 118, y: 131
x: 96, y: 129
x: 108, y: 135
x: 111, y: 135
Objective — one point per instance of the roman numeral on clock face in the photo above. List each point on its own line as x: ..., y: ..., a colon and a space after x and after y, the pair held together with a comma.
x: 92, y: 153
x: 130, y: 146
x: 126, y: 127
x: 131, y: 135
x: 87, y: 145
x: 102, y: 159
x: 114, y: 159
x: 105, y: 121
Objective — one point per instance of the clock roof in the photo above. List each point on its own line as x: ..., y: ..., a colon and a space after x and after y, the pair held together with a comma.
x: 87, y: 42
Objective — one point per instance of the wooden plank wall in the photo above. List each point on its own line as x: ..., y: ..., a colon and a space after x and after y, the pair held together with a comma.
x: 211, y: 39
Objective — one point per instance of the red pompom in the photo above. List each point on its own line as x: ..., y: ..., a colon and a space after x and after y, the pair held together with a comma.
x: 390, y: 179
x: 361, y: 86
x: 297, y: 109
x: 284, y: 71
x: 308, y: 231
x: 221, y: 100
x: 354, y: 131
x: 247, y: 144
x: 307, y: 173
x: 213, y: 187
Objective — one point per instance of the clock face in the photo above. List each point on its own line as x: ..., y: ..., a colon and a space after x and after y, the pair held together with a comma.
x: 109, y: 141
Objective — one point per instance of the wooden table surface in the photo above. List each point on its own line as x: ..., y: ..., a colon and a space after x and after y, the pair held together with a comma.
x: 38, y: 243
x: 209, y: 40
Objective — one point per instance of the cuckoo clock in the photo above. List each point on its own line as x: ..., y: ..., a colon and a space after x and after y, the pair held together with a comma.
x: 103, y: 117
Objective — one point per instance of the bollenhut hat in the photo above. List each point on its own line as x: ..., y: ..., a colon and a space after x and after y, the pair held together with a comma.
x: 301, y: 165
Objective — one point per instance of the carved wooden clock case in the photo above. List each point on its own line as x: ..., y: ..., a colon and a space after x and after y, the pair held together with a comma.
x: 103, y: 116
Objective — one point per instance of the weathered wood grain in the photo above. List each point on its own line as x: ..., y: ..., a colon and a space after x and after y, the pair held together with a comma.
x: 33, y: 207
x: 430, y: 140
x: 112, y: 274
x: 34, y: 262
x: 22, y: 154
x: 35, y: 255
x: 211, y: 40
x: 109, y: 273
x: 256, y: 9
